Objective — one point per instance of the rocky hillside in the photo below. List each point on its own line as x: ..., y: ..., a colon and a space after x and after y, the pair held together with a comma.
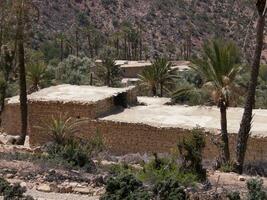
x: 168, y: 26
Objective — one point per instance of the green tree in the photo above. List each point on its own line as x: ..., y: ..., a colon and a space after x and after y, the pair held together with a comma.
x: 25, y: 11
x: 35, y: 74
x: 245, y: 126
x: 72, y: 70
x: 218, y: 67
x: 109, y: 72
x: 158, y: 75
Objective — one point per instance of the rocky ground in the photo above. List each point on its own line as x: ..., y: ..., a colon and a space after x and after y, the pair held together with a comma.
x: 48, y: 181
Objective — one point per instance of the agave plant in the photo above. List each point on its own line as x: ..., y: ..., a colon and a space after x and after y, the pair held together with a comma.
x: 61, y: 128
x: 35, y: 74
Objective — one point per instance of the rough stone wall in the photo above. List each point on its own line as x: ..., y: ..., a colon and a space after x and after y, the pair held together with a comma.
x: 11, y: 119
x: 132, y: 72
x: 11, y: 122
x: 121, y: 138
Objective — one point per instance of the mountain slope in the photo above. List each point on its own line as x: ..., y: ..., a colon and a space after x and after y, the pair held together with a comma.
x: 166, y: 24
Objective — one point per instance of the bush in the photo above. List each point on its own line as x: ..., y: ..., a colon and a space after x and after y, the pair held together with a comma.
x: 191, y: 153
x: 255, y: 190
x: 125, y: 187
x: 162, y: 169
x: 14, y: 192
x: 69, y: 148
x: 169, y: 189
x: 72, y: 70
x: 234, y: 196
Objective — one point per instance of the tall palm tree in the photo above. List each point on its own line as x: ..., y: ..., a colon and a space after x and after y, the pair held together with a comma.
x: 245, y: 125
x: 218, y: 67
x: 23, y: 12
x: 158, y: 75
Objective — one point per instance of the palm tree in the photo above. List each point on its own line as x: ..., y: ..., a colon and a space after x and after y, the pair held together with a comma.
x: 218, y: 68
x: 35, y: 74
x: 158, y: 75
x: 245, y: 125
x: 23, y: 12
x: 166, y: 74
x: 149, y: 77
x: 109, y: 72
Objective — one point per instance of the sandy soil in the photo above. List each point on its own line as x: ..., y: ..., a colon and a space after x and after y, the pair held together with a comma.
x: 73, y: 93
x: 156, y: 114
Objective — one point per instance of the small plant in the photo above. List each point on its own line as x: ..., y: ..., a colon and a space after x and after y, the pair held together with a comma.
x: 161, y: 169
x: 234, y: 196
x: 14, y: 192
x: 191, y: 153
x: 255, y: 190
x: 125, y: 187
x: 227, y: 167
x: 169, y: 189
x: 61, y: 129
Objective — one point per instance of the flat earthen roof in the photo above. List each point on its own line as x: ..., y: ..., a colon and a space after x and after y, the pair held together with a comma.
x: 158, y: 115
x: 72, y: 93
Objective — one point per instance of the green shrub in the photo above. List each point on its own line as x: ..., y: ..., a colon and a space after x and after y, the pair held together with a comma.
x: 227, y: 167
x: 72, y: 70
x: 255, y: 190
x: 191, y: 153
x: 234, y: 196
x: 12, y: 192
x: 161, y: 169
x: 169, y: 189
x: 125, y: 187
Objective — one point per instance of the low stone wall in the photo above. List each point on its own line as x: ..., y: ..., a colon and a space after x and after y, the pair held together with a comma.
x: 11, y: 119
x: 132, y: 72
x: 122, y: 138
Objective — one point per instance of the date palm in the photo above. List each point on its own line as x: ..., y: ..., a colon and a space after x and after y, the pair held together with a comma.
x: 35, y: 74
x: 158, y: 75
x: 245, y: 126
x: 109, y: 72
x: 218, y: 67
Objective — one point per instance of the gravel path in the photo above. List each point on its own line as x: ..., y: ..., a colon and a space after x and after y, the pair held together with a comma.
x: 57, y: 196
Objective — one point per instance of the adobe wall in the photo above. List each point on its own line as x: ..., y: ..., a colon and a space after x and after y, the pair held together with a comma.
x: 11, y: 121
x: 132, y: 72
x: 122, y: 138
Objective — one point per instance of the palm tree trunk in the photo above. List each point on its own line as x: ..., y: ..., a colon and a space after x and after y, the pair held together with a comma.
x: 154, y: 91
x: 161, y: 90
x: 225, y: 141
x: 245, y: 126
x: 3, y: 96
x: 22, y: 77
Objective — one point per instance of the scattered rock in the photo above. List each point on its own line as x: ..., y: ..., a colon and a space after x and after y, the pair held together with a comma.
x: 82, y: 190
x: 23, y: 184
x: 73, y: 184
x: 241, y: 178
x: 44, y: 188
x: 98, y: 181
x: 65, y: 189
x: 10, y: 176
x: 99, y: 191
x: 131, y: 159
x: 11, y: 140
